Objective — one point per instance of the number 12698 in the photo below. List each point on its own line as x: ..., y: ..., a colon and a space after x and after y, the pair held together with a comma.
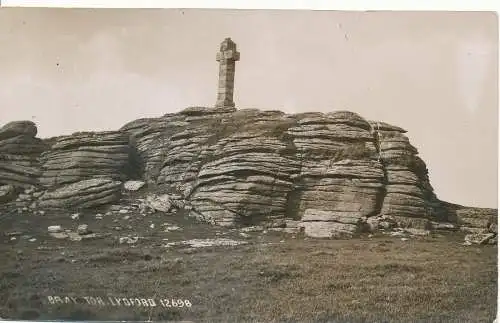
x: 165, y: 302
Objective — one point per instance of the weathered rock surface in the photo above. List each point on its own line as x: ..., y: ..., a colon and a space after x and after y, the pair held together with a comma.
x: 326, y: 224
x: 479, y: 238
x: 17, y: 128
x: 331, y: 174
x: 19, y: 154
x: 246, y: 176
x: 380, y: 222
x: 473, y: 219
x: 83, y: 229
x: 162, y: 203
x: 149, y: 139
x: 190, y: 146
x: 84, y: 156
x: 476, y: 220
x: 54, y: 229
x: 408, y: 197
x: 203, y: 243
x: 167, y: 149
x: 133, y: 185
x: 83, y: 194
x: 340, y: 175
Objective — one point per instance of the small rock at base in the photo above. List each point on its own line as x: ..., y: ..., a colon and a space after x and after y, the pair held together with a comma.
x: 172, y: 228
x: 54, y: 228
x: 83, y: 229
x: 479, y: 238
x: 397, y: 234
x: 58, y: 235
x: 133, y: 185
x: 160, y: 203
x: 129, y: 240
x: 417, y: 232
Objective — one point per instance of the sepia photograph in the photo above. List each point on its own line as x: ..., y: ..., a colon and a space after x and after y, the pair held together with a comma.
x: 236, y: 165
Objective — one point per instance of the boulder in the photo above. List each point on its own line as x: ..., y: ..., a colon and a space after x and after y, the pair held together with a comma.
x: 83, y: 194
x: 19, y: 154
x: 320, y: 229
x: 160, y: 203
x: 59, y: 235
x: 479, y: 238
x: 377, y: 223
x: 133, y: 185
x: 417, y: 232
x: 83, y: 229
x: 329, y: 224
x: 54, y: 229
x: 86, y: 155
x: 446, y: 226
x: 473, y: 219
x: 18, y: 128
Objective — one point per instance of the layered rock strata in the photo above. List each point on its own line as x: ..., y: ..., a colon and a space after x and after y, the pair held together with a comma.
x: 332, y: 174
x: 190, y: 145
x: 86, y: 155
x: 409, y: 197
x: 85, y: 169
x: 82, y: 194
x: 340, y: 182
x: 247, y: 180
x: 19, y: 154
x: 150, y: 140
x: 244, y: 176
x: 472, y: 219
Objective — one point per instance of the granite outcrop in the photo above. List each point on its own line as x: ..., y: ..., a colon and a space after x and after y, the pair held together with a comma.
x: 332, y: 174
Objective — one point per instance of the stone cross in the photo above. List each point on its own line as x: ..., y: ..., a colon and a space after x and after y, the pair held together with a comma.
x: 227, y: 57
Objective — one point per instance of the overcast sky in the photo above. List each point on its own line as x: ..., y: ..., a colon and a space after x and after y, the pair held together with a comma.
x: 434, y: 74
